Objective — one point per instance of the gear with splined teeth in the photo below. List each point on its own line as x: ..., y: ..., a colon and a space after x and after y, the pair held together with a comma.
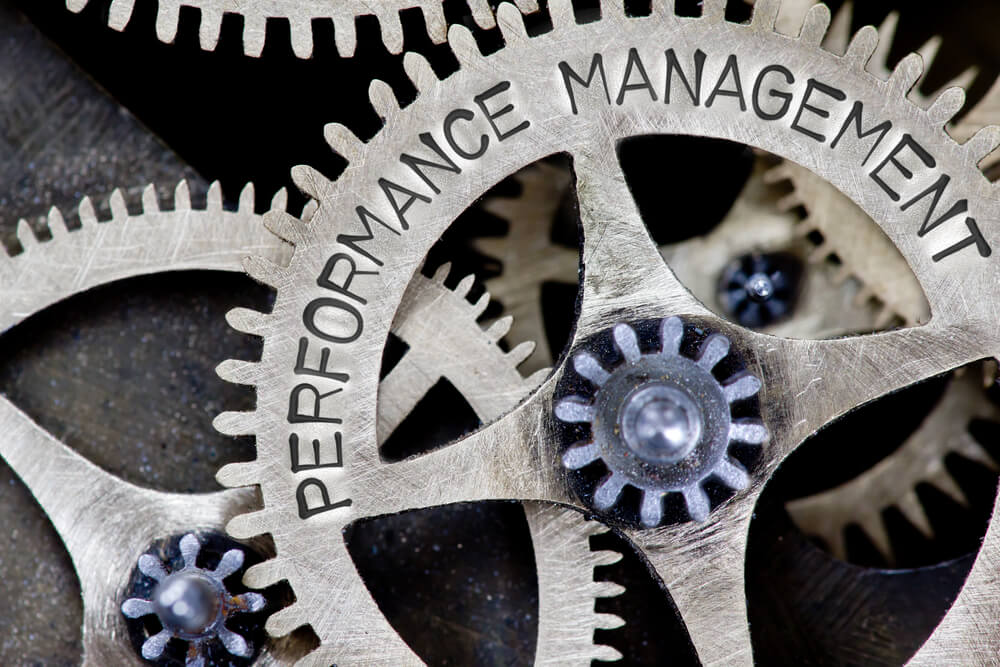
x: 806, y: 384
x: 300, y: 14
x: 660, y: 421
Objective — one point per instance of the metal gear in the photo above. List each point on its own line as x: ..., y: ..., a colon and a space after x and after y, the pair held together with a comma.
x: 300, y: 14
x: 550, y: 104
x: 193, y: 604
x: 659, y: 421
x: 183, y: 238
x: 894, y: 479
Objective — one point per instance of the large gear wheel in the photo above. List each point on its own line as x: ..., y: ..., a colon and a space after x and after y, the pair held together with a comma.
x: 299, y: 14
x: 578, y: 89
x: 184, y: 238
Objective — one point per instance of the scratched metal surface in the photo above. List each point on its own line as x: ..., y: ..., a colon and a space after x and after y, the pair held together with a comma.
x: 49, y: 617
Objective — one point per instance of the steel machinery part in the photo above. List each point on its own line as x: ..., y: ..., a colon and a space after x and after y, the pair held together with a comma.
x: 193, y: 604
x: 559, y: 92
x: 78, y: 496
x: 863, y: 253
x: 300, y: 14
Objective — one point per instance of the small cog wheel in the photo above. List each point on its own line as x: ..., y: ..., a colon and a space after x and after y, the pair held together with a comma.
x: 660, y: 421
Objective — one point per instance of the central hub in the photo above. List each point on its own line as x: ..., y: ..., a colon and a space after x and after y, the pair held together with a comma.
x: 660, y: 423
x: 187, y: 602
x: 759, y: 287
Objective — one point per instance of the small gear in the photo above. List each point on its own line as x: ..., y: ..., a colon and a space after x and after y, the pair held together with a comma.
x: 660, y: 422
x: 300, y: 15
x: 193, y: 604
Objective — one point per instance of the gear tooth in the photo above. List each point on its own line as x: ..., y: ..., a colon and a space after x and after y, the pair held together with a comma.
x: 56, y: 223
x: 875, y: 530
x: 537, y: 378
x: 697, y: 503
x: 119, y: 14
x: 150, y: 200
x: 909, y: 504
x: 605, y: 557
x: 302, y: 38
x: 839, y: 33
x: 435, y: 22
x: 119, y: 210
x: 714, y: 10
x: 279, y: 202
x: 167, y: 19
x: 605, y: 653
x: 864, y: 295
x: 263, y: 271
x: 608, y: 491
x: 861, y: 48
x: 234, y: 475
x: 419, y: 71
x: 266, y: 573
x: 879, y: 63
x: 392, y: 31
x: 464, y: 285
x: 947, y: 484
x: 904, y: 78
x: 182, y: 197
x: 285, y: 226
x: 479, y: 307
x: 521, y: 352
x: 608, y: 589
x: 85, y: 211
x: 239, y: 371
x: 248, y: 321
x: 26, y: 235
x: 765, y: 13
x: 561, y: 13
x: 464, y: 46
x: 946, y: 106
x: 820, y: 252
x: 343, y: 142
x: 382, y: 99
x: 210, y: 28
x: 527, y: 6
x: 254, y: 34
x: 236, y: 424
x: 214, y: 199
x: 249, y: 525
x: 481, y: 13
x: 309, y: 210
x: 651, y: 511
x: 247, y: 199
x: 441, y: 273
x: 311, y: 182
x: 816, y: 23
x: 76, y: 6
x: 608, y: 621
x: 284, y: 621
x: 842, y: 274
x: 511, y: 24
x: 346, y: 35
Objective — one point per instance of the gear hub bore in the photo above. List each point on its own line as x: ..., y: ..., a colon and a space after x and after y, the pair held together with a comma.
x: 659, y: 421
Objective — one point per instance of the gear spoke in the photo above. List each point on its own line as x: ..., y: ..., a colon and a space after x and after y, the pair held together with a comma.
x: 513, y: 460
x: 622, y: 266
x: 707, y: 583
x: 819, y: 381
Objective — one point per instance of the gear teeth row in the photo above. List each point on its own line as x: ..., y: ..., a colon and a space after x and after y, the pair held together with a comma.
x: 562, y: 539
x: 343, y: 14
x: 88, y: 217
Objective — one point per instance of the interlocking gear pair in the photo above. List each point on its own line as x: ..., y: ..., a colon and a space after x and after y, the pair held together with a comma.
x: 359, y: 252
